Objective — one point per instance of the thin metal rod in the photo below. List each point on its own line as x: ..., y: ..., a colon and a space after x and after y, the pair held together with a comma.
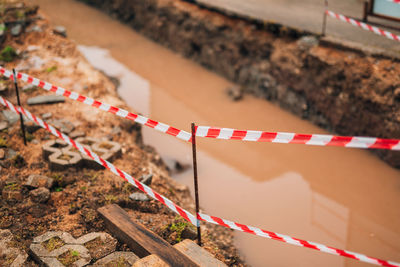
x: 365, y: 14
x: 19, y: 104
x: 196, y: 185
x: 324, y: 18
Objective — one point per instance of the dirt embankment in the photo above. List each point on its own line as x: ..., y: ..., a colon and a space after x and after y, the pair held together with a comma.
x: 77, y: 192
x: 345, y: 91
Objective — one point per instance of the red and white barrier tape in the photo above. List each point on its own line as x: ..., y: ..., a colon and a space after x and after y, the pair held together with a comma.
x: 364, y: 26
x: 185, y: 214
x: 295, y: 138
x: 220, y: 133
x: 100, y: 105
x: 175, y: 208
x: 295, y: 241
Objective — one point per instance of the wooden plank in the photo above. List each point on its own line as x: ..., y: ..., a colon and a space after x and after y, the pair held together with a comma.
x: 151, y: 261
x: 198, y: 254
x: 143, y: 242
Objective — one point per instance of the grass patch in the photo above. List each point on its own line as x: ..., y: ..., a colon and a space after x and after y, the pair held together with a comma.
x: 8, y: 54
x: 110, y: 199
x: 69, y: 257
x: 3, y: 142
x: 53, y: 243
x: 51, y: 69
x: 12, y: 187
x: 178, y: 226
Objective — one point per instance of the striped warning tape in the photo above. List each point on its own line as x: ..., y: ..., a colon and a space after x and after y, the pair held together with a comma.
x: 100, y: 105
x: 219, y: 133
x: 200, y: 216
x: 364, y: 26
x: 295, y: 138
x: 295, y: 241
x: 185, y: 214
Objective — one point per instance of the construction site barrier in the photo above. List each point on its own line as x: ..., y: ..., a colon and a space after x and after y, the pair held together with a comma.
x: 200, y: 216
x: 364, y: 26
x: 213, y: 132
x: 296, y: 138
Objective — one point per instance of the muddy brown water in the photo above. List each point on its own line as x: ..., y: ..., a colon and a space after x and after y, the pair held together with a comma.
x: 345, y: 198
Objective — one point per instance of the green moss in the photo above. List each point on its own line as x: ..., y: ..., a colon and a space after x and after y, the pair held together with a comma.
x: 178, y: 226
x: 68, y: 257
x: 110, y: 199
x: 12, y: 187
x: 20, y: 14
x: 53, y: 243
x: 3, y: 142
x: 8, y: 54
x: 51, y: 69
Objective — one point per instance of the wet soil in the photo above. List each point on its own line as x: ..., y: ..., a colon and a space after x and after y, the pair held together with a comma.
x: 79, y: 192
x: 345, y: 91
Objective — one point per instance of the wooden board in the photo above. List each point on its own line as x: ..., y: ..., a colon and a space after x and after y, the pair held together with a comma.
x: 198, y: 254
x: 143, y: 242
x: 151, y: 261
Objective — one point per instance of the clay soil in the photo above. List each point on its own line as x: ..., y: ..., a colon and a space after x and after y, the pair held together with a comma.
x: 79, y: 192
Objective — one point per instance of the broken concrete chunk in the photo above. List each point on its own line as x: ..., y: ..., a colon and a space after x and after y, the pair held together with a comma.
x: 10, y: 116
x: 13, y: 256
x: 46, y: 99
x: 60, y: 30
x: 146, y: 179
x: 16, y: 30
x: 3, y: 125
x: 307, y: 42
x: 47, y: 116
x: 36, y: 180
x: 139, y: 197
x: 40, y: 195
x: 34, y: 28
x: 63, y: 125
x: 119, y: 258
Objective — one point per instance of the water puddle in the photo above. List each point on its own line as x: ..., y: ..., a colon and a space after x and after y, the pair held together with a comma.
x: 345, y: 198
x: 286, y: 202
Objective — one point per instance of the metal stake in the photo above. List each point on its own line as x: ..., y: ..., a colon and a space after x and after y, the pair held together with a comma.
x: 324, y: 18
x: 19, y: 104
x: 196, y: 186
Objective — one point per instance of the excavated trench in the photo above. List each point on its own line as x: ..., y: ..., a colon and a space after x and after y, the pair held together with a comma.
x: 346, y: 92
x: 346, y: 198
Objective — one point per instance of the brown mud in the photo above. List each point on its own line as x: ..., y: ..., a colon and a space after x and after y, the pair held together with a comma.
x: 340, y: 197
x: 347, y: 92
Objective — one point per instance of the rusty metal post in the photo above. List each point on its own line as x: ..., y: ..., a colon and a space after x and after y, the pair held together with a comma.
x: 19, y: 104
x: 196, y: 185
x: 324, y: 18
x: 366, y: 8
